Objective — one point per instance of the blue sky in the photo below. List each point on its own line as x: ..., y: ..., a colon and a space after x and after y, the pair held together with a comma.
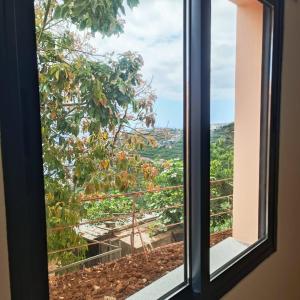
x: 154, y: 29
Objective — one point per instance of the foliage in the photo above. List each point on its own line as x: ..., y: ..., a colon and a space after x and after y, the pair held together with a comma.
x: 95, y: 111
x: 168, y: 173
x: 221, y: 167
x: 108, y: 208
x: 171, y: 174
x: 220, y: 225
x: 169, y: 144
x: 99, y: 16
x: 221, y: 161
x: 156, y: 228
x: 88, y: 103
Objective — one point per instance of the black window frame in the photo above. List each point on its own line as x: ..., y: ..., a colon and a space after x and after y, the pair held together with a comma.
x: 204, y: 285
x: 22, y: 155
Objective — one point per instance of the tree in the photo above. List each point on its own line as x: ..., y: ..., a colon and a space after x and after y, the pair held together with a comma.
x: 89, y: 102
x: 221, y: 161
x: 221, y: 167
x: 170, y: 173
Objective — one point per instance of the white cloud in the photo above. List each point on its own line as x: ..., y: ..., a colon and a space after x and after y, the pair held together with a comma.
x: 223, y: 38
x: 155, y: 30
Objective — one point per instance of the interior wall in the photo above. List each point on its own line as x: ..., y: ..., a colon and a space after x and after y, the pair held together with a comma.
x: 279, y: 276
x: 4, y: 271
x: 247, y: 122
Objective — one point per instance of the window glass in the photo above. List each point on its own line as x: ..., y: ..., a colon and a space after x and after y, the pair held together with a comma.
x: 240, y: 71
x: 111, y: 102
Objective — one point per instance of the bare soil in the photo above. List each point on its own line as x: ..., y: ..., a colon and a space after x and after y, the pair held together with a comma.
x: 120, y: 278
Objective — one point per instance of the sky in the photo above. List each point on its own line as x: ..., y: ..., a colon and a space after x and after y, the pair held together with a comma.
x: 154, y: 29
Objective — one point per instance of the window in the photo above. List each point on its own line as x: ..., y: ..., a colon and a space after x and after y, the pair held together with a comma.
x: 240, y: 126
x: 86, y: 177
x: 111, y: 105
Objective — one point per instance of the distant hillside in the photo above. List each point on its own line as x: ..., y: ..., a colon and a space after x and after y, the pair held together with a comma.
x: 170, y: 144
x: 226, y: 132
x: 170, y: 141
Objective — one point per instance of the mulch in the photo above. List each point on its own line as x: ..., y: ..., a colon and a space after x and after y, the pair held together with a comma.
x: 123, y: 277
x: 118, y: 279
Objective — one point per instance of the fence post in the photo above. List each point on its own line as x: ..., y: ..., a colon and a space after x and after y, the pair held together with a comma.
x: 133, y: 223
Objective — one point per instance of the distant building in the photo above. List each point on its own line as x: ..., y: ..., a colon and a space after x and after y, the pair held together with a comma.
x: 217, y: 126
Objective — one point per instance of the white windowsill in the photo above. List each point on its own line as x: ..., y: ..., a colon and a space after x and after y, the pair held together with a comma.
x: 225, y: 251
x: 220, y: 254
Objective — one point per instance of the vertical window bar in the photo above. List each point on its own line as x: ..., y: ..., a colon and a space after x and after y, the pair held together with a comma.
x: 199, y: 121
x: 278, y: 8
x: 186, y: 140
x: 21, y: 153
x: 265, y: 119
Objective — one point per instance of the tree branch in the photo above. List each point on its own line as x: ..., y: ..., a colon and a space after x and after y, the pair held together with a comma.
x: 120, y: 127
x: 48, y: 5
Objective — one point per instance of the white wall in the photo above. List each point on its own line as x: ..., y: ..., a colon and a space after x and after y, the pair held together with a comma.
x: 278, y: 278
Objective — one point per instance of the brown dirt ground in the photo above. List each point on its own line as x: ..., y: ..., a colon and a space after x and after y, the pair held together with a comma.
x: 121, y: 278
x: 118, y: 279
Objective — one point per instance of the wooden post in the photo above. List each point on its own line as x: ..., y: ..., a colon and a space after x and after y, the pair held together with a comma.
x: 142, y: 241
x: 133, y: 222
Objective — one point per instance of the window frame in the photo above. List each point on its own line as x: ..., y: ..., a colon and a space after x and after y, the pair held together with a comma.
x: 216, y: 285
x: 22, y: 155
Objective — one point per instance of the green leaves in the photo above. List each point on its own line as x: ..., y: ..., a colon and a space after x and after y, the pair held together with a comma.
x: 101, y: 16
x: 88, y: 100
x: 132, y: 3
x: 221, y: 164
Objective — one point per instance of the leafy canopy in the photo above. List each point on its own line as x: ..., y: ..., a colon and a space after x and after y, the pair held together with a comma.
x: 98, y: 15
x: 89, y: 103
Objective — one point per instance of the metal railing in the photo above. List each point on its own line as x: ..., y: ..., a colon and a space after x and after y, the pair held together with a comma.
x: 221, y: 191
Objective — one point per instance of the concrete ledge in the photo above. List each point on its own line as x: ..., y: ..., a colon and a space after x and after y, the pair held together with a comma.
x: 223, y: 252
x: 220, y: 254
x: 160, y: 287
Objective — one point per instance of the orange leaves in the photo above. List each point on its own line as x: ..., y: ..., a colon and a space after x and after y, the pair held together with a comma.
x: 124, y: 180
x: 150, y: 186
x: 149, y: 171
x: 103, y: 101
x: 53, y: 115
x: 121, y: 155
x: 104, y: 164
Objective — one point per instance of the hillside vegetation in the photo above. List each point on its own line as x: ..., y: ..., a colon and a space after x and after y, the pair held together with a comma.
x: 170, y: 142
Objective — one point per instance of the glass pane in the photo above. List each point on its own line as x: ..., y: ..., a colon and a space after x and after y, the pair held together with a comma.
x: 240, y: 70
x: 111, y: 100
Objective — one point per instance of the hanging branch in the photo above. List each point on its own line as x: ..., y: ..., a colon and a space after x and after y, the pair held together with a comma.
x: 47, y: 10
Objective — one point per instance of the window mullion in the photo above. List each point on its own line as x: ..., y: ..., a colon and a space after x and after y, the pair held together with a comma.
x: 199, y: 122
